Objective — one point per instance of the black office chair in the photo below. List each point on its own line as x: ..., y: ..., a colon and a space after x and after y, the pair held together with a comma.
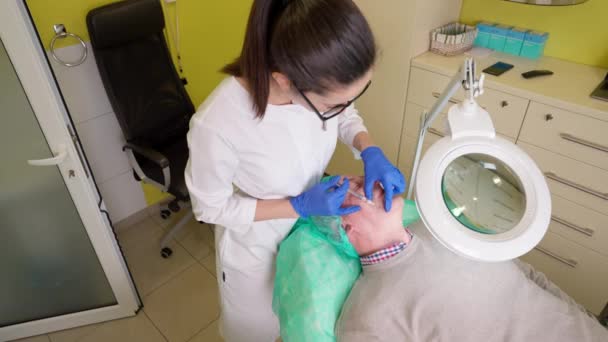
x: 147, y: 95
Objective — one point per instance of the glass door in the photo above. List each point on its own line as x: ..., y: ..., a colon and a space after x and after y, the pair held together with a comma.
x: 60, y: 265
x: 50, y: 266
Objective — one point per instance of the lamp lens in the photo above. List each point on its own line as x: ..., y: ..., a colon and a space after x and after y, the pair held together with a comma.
x: 483, y: 194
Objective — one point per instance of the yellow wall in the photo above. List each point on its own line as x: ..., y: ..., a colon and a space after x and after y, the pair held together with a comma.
x: 577, y: 33
x: 211, y: 34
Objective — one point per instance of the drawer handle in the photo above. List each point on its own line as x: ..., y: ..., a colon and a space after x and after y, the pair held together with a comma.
x: 452, y: 101
x: 587, y: 231
x: 504, y: 103
x: 436, y: 95
x: 570, y: 262
x: 583, y: 142
x: 577, y: 186
x: 436, y: 132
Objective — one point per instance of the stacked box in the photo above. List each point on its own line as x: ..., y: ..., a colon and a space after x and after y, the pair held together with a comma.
x: 483, y: 34
x: 498, y: 37
x: 515, y: 41
x: 534, y: 44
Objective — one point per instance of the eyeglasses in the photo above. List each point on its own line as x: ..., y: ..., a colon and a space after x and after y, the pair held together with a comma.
x: 333, y: 111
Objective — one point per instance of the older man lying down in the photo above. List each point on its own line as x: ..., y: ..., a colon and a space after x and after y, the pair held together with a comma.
x: 414, y: 289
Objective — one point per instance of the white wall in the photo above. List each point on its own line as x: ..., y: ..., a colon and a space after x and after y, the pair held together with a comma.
x: 402, y: 30
x: 430, y: 15
x: 99, y: 132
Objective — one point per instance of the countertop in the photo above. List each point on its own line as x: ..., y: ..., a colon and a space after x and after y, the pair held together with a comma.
x: 568, y: 88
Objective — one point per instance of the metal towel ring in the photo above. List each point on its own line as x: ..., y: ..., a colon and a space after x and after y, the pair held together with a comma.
x: 60, y: 32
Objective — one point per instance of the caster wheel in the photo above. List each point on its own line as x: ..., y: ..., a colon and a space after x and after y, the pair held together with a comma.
x: 174, y: 206
x: 165, y: 214
x: 166, y: 252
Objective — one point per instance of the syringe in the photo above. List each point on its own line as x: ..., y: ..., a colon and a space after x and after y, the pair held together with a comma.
x: 361, y: 197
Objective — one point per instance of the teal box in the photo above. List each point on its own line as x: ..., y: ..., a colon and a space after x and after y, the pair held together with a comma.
x: 498, y: 37
x: 483, y: 34
x: 534, y: 44
x: 515, y: 41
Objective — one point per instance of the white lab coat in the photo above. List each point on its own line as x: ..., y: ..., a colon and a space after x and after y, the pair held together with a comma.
x: 236, y: 159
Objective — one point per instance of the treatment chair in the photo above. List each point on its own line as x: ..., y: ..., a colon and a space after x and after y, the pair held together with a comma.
x: 147, y: 96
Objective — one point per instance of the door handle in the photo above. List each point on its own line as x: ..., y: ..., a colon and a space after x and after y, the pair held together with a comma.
x: 587, y: 231
x: 583, y: 142
x: 436, y: 132
x: 570, y: 262
x: 59, y: 157
x: 553, y: 176
x: 452, y: 101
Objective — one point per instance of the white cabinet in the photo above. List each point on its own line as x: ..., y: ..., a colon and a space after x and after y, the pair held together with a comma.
x: 579, y: 271
x: 564, y: 131
x: 579, y: 224
x: 577, y: 181
x: 507, y: 110
x: 573, y: 135
x: 574, y: 252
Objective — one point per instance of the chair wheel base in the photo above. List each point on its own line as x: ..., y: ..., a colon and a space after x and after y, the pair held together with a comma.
x: 164, y: 214
x: 166, y: 252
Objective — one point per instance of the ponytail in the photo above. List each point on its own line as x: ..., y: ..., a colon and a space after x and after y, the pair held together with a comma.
x: 315, y: 43
x: 254, y: 63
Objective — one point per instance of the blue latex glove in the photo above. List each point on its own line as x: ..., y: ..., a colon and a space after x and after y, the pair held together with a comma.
x: 379, y: 169
x: 323, y: 199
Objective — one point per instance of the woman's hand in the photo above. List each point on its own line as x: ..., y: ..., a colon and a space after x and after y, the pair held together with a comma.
x: 324, y: 199
x: 379, y: 169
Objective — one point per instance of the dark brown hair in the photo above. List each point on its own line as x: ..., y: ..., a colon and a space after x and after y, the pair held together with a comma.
x: 317, y: 44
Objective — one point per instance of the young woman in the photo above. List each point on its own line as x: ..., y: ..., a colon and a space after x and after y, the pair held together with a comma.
x: 261, y: 141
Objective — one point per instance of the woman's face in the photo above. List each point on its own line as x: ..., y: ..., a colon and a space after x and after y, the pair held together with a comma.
x: 334, y: 97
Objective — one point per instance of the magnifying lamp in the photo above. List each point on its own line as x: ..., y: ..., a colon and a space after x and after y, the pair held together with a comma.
x: 480, y: 195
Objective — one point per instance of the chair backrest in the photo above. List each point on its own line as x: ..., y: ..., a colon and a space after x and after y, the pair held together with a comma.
x: 136, y: 69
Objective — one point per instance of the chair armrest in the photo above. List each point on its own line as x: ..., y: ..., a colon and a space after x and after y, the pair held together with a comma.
x: 148, y: 153
x: 154, y: 156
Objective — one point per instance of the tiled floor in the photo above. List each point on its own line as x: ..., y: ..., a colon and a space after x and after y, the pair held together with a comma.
x: 179, y: 293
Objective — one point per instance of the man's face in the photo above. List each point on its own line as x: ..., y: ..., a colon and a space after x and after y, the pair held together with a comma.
x: 368, y: 228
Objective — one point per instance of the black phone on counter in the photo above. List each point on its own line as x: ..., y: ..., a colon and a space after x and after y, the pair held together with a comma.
x: 498, y: 68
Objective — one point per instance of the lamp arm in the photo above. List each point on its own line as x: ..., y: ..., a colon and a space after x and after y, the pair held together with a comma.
x: 427, y: 118
x: 442, y: 100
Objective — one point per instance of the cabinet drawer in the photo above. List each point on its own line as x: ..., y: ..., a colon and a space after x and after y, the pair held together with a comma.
x: 580, y: 272
x: 507, y: 111
x: 571, y: 179
x: 408, y: 149
x: 425, y: 86
x: 573, y: 135
x: 413, y: 115
x: 579, y: 224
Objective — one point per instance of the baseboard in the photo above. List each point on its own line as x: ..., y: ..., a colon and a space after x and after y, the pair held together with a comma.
x: 132, y: 219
